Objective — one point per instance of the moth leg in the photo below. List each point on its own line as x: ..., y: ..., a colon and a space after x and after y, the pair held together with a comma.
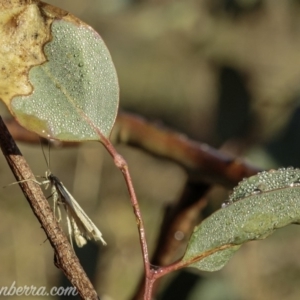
x: 69, y: 229
x: 78, y: 236
x: 55, y: 198
x: 25, y: 180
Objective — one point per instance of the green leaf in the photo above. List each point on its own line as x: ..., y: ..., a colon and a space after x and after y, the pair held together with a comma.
x: 258, y: 206
x: 76, y: 91
x: 58, y: 78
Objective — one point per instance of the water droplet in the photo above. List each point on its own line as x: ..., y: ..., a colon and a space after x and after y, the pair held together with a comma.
x: 256, y: 191
x: 225, y: 204
x: 179, y: 235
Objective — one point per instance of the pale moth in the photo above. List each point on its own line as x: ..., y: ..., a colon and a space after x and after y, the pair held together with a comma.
x: 80, y: 226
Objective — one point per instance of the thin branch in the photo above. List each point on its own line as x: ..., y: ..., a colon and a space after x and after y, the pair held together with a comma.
x: 202, y: 162
x: 179, y: 219
x: 156, y: 273
x: 122, y: 165
x: 186, y: 263
x: 65, y: 258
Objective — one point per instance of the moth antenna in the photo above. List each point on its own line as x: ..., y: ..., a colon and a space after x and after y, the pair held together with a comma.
x: 47, y: 160
x: 49, y: 155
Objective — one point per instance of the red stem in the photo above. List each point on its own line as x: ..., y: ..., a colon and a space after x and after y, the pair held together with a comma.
x: 122, y: 165
x: 162, y: 271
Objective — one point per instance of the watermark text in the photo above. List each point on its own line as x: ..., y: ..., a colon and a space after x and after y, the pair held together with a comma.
x: 26, y: 290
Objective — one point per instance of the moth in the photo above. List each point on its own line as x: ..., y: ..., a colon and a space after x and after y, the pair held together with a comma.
x: 80, y: 226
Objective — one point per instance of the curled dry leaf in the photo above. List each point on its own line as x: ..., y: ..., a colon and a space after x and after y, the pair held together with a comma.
x: 57, y: 77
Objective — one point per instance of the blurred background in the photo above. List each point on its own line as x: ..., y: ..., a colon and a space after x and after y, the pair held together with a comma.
x: 223, y: 72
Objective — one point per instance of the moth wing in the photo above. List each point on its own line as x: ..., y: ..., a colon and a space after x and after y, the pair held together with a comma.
x: 83, y: 222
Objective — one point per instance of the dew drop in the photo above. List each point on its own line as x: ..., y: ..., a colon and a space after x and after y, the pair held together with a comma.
x: 256, y: 191
x: 179, y: 235
x: 225, y: 204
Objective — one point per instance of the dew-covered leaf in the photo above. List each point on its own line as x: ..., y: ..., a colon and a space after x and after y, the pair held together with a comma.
x: 71, y: 92
x: 258, y: 206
